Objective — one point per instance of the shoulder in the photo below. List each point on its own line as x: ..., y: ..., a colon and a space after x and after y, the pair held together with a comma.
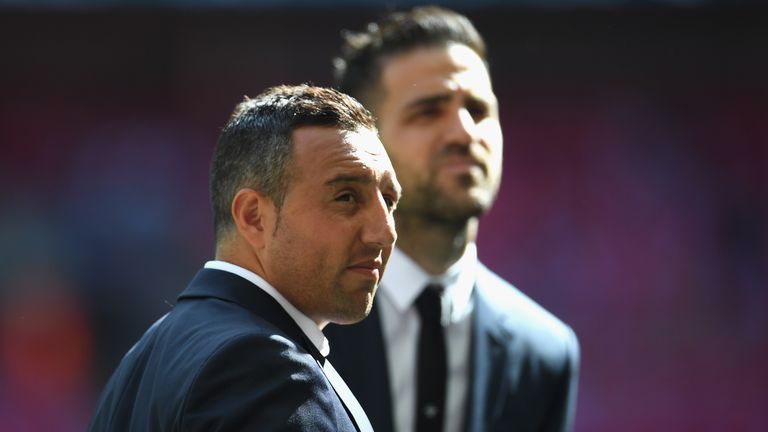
x: 525, y: 322
x: 197, y: 332
x: 253, y: 375
x: 211, y: 364
x: 257, y: 381
x: 542, y: 353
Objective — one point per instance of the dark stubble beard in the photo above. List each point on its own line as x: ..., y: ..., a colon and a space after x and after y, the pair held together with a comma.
x: 428, y: 202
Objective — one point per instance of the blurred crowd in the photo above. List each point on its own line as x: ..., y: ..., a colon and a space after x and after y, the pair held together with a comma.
x: 637, y: 213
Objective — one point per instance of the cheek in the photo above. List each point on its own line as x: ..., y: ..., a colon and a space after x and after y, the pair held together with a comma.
x: 494, y: 141
x: 410, y: 142
x: 328, y: 243
x: 299, y: 241
x: 490, y: 130
x: 411, y: 157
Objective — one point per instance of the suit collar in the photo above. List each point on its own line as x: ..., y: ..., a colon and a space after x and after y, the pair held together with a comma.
x: 309, y: 327
x: 211, y: 283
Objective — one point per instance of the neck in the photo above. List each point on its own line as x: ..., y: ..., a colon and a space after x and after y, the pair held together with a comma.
x: 434, y: 247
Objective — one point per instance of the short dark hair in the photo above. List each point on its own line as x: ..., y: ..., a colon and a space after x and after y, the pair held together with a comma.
x: 357, y: 70
x: 255, y: 147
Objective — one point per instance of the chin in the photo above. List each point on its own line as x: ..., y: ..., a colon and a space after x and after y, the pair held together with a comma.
x: 462, y: 205
x: 477, y: 205
x: 458, y: 213
x: 355, y: 314
x: 348, y: 319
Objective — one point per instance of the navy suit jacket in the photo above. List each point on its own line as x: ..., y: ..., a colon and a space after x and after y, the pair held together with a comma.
x: 227, y: 357
x: 524, y: 364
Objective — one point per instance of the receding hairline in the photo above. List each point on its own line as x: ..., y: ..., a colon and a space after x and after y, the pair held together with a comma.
x: 341, y: 131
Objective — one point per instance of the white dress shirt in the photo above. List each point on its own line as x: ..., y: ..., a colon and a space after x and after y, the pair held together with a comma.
x: 402, y: 283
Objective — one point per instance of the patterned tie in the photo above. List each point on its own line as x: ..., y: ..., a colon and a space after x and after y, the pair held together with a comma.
x: 431, y: 364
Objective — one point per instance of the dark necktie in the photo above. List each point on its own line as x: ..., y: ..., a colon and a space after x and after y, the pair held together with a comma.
x: 431, y: 363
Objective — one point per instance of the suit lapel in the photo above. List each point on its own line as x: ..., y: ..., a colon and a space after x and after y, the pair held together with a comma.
x: 489, y: 357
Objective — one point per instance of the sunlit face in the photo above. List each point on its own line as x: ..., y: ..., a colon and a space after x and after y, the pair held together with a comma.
x: 336, y: 229
x: 438, y: 118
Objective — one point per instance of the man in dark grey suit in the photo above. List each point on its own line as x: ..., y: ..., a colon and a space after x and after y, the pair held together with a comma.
x: 452, y: 347
x: 303, y: 195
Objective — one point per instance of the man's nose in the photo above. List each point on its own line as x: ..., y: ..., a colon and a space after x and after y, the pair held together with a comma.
x: 379, y: 227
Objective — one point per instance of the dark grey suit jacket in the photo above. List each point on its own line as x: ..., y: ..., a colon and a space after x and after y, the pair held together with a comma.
x: 226, y: 358
x: 524, y: 364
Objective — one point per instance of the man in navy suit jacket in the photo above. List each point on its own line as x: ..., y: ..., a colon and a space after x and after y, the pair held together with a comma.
x: 303, y: 195
x: 486, y: 358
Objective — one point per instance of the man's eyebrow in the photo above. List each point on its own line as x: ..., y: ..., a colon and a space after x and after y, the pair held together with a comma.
x: 388, y: 182
x: 429, y: 100
x: 349, y: 178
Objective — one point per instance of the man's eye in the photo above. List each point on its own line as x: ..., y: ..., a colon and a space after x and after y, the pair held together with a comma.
x: 428, y: 112
x: 477, y: 110
x: 389, y: 201
x: 345, y: 197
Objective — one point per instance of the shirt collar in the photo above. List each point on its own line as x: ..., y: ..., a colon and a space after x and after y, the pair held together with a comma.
x: 404, y: 280
x: 306, y: 325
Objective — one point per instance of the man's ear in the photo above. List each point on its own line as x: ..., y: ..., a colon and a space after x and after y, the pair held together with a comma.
x: 254, y: 215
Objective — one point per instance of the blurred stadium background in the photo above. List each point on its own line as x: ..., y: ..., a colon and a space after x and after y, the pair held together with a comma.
x: 634, y: 203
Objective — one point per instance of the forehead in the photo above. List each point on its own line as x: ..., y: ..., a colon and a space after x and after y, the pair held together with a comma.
x: 427, y: 70
x: 326, y: 151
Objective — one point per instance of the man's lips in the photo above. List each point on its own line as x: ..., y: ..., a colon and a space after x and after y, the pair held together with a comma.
x: 462, y: 165
x: 368, y: 268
